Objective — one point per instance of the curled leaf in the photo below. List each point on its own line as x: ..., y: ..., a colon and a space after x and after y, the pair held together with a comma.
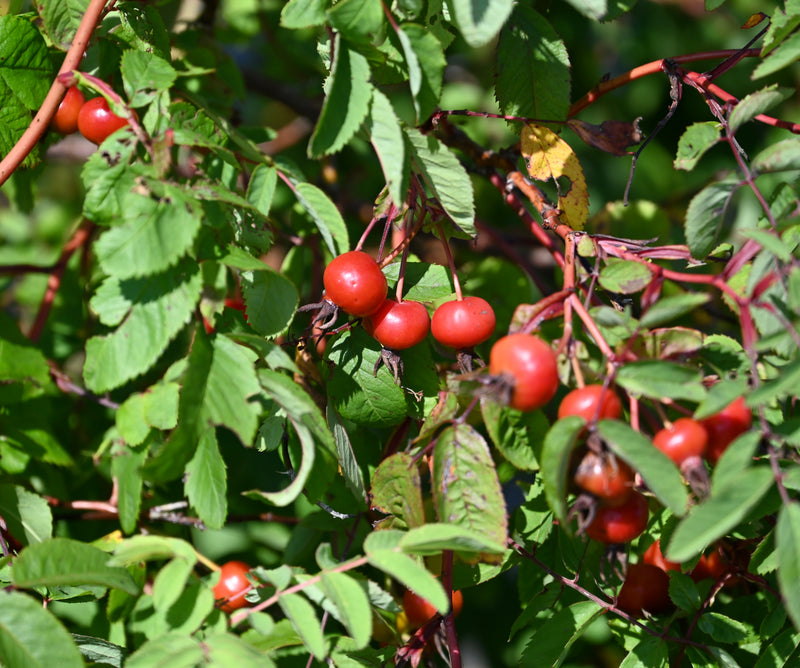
x: 611, y: 136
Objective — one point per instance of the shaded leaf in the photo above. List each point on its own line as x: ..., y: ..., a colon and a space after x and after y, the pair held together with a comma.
x: 552, y: 640
x: 787, y: 544
x: 479, y: 21
x: 560, y: 441
x: 396, y: 490
x: 704, y: 217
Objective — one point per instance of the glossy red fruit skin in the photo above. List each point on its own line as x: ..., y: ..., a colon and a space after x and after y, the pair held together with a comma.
x: 531, y: 363
x: 419, y: 611
x: 646, y: 587
x: 724, y: 427
x: 355, y: 283
x: 231, y: 586
x: 463, y: 324
x: 584, y: 401
x: 620, y: 524
x: 686, y: 438
x: 655, y: 557
x: 606, y: 477
x: 399, y: 325
x: 96, y: 121
x: 65, y: 121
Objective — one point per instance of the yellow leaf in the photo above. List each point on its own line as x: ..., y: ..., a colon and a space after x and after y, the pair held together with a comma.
x: 550, y: 157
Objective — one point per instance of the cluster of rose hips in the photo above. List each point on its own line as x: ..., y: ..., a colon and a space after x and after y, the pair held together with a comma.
x: 92, y: 118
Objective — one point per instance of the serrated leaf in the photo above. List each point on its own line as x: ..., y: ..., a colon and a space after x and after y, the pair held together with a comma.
x: 778, y: 157
x: 683, y: 592
x: 705, y: 217
x: 397, y: 491
x: 785, y: 54
x: 779, y: 652
x: 31, y: 636
x: 357, y: 394
x: 532, y: 68
x: 560, y: 441
x: 260, y: 191
x: 174, y: 649
x: 352, y: 604
x: 301, y: 614
x: 446, y: 177
x: 271, y: 301
x: 720, y: 513
x: 145, y: 76
x: 661, y: 379
x: 325, y: 215
x: 787, y: 545
x: 359, y: 21
x: 206, y: 481
x: 466, y: 489
x: 386, y: 137
x: 347, y: 458
x: 518, y: 435
x: 126, y: 467
x: 479, y: 21
x: 756, y: 103
x: 432, y: 538
x: 722, y: 628
x: 160, y: 305
x: 61, y: 20
x: 426, y: 63
x: 695, y: 142
x: 625, y: 276
x: 99, y: 652
x: 670, y: 308
x: 346, y: 102
x: 551, y: 642
x: 658, y: 471
x: 548, y: 157
x: 63, y: 561
x: 27, y: 516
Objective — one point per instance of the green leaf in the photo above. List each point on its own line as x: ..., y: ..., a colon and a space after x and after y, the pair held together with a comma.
x: 625, y: 276
x: 778, y: 157
x: 99, y: 652
x: 126, y: 467
x: 606, y: 10
x: 271, y: 301
x: 756, y: 103
x: 386, y: 137
x: 159, y: 307
x: 660, y: 379
x: 433, y: 537
x: 447, y: 178
x: 426, y: 63
x: 650, y: 652
x: 227, y: 649
x: 780, y: 651
x: 206, y: 481
x: 551, y: 642
x: 397, y: 491
x: 61, y: 20
x: 787, y: 544
x: 357, y: 394
x: 705, y: 216
x: 110, y: 182
x: 359, y: 21
x: 533, y: 68
x: 785, y: 54
x: 145, y: 76
x: 784, y: 385
x: 301, y: 614
x: 516, y: 434
x: 20, y: 360
x: 670, y: 308
x: 31, y: 636
x: 304, y: 13
x: 27, y: 516
x: 170, y: 582
x: 560, y: 441
x: 722, y: 628
x: 142, y: 28
x: 727, y: 506
x: 695, y: 142
x: 347, y: 457
x: 683, y: 592
x: 325, y: 215
x: 352, y: 604
x: 154, y: 237
x: 26, y: 72
x: 260, y: 191
x: 658, y: 471
x: 63, y: 561
x: 479, y: 21
x: 174, y: 649
x: 151, y: 548
x: 346, y: 102
x: 466, y: 489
